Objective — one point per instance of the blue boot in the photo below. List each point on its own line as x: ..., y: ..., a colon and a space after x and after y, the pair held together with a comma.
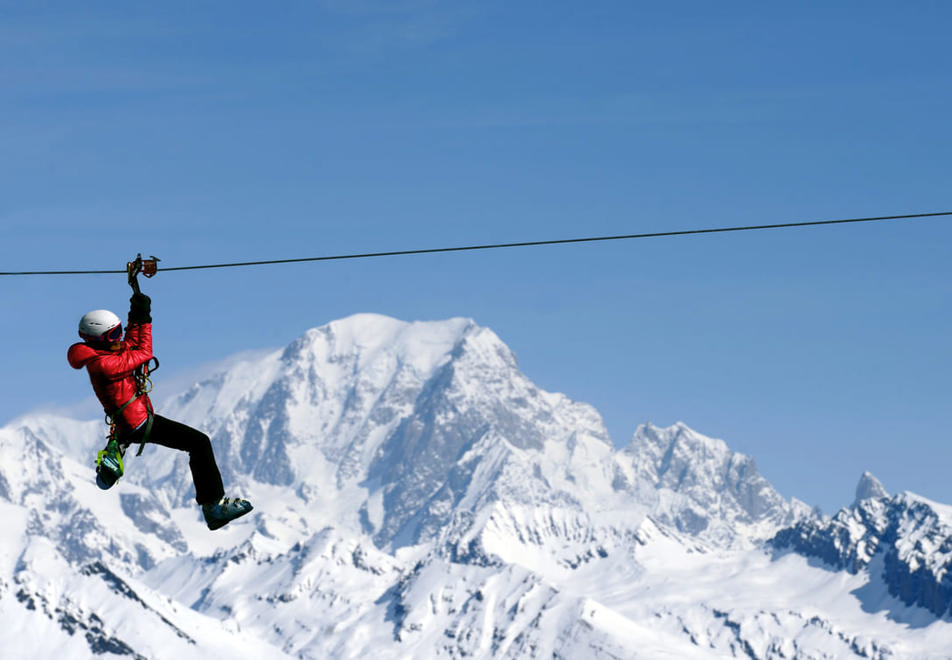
x: 220, y: 513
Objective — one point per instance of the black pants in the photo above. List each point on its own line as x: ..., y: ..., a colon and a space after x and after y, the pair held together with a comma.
x: 201, y: 458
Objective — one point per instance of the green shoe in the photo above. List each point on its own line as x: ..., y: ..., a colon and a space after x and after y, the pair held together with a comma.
x: 109, y: 465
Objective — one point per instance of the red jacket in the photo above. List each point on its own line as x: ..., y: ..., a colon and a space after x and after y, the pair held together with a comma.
x: 110, y: 372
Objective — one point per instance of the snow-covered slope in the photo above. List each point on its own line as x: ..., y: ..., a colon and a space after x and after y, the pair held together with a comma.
x: 417, y: 496
x: 71, y: 561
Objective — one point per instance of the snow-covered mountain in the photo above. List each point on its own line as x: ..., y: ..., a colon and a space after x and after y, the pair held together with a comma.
x: 905, y: 539
x: 417, y: 496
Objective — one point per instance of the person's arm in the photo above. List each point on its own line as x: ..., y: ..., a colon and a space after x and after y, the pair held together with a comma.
x: 140, y: 314
x: 116, y: 366
x: 138, y: 338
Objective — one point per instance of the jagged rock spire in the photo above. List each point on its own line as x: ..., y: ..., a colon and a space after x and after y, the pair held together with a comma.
x: 869, y: 487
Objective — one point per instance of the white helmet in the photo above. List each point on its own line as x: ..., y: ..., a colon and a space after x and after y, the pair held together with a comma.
x: 100, y: 325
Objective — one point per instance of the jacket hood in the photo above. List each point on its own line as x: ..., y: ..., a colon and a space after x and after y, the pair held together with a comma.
x: 80, y: 353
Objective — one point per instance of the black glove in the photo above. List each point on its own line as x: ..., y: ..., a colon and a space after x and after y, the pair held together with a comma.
x: 140, y: 309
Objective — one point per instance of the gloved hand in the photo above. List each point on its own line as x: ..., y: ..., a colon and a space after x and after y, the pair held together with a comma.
x: 140, y: 309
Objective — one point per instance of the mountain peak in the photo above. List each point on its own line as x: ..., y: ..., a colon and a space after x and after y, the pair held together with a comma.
x: 714, y: 490
x: 869, y: 487
x: 367, y: 336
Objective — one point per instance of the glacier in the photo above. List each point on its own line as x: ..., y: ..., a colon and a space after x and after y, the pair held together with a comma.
x: 418, y: 496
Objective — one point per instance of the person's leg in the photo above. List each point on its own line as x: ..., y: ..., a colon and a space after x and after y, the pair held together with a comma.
x: 201, y: 458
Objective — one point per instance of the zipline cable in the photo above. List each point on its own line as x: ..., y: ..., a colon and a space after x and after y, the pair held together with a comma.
x: 495, y: 246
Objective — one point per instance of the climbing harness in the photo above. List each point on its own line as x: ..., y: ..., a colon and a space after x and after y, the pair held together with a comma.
x: 143, y: 386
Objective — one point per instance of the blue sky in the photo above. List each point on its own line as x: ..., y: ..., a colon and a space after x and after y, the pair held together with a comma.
x: 206, y: 133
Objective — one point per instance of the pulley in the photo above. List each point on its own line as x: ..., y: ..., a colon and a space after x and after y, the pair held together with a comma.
x: 146, y: 267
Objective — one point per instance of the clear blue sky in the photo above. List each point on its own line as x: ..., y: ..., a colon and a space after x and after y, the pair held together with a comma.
x: 217, y: 132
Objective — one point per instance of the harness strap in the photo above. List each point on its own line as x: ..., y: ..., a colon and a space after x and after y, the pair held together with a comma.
x: 118, y: 412
x: 145, y: 435
x: 148, y: 421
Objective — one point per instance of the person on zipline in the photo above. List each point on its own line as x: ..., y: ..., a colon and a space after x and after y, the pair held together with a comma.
x: 118, y: 368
